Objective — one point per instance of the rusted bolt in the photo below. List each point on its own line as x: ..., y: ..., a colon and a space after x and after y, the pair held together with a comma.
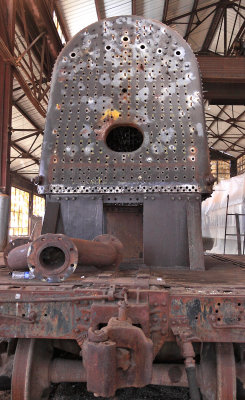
x: 85, y: 318
x: 155, y: 304
x: 76, y: 330
x: 164, y: 331
x: 155, y: 319
x: 152, y: 198
x: 164, y: 319
x: 213, y: 318
x: 145, y: 197
x: 164, y: 303
x: 172, y: 198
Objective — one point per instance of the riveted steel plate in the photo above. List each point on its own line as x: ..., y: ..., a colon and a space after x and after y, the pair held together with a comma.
x: 125, y: 113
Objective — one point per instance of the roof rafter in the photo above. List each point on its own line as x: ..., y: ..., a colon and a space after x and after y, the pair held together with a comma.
x: 218, y: 15
x: 191, y: 19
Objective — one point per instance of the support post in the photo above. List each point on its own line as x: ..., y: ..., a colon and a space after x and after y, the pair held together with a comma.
x: 7, y: 31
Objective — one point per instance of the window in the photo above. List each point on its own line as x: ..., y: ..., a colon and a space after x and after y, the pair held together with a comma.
x: 220, y: 169
x: 19, y: 215
x: 38, y: 206
x: 241, y: 165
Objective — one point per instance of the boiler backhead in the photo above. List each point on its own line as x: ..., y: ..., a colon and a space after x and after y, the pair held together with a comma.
x: 125, y: 113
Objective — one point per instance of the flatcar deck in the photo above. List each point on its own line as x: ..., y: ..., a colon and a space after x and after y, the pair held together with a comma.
x: 221, y: 272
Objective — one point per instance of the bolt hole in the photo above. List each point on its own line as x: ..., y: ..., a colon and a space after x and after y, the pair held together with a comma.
x: 142, y: 46
x: 73, y: 54
x: 125, y: 38
x: 239, y: 304
x: 108, y: 47
x: 124, y: 90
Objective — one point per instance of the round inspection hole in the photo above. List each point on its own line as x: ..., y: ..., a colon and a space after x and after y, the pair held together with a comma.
x: 177, y: 53
x: 159, y: 51
x: 125, y: 38
x: 73, y: 54
x: 142, y: 46
x: 108, y: 47
x: 124, y: 138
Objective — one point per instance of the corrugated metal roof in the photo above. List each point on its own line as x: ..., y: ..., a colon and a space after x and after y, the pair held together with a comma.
x: 78, y: 14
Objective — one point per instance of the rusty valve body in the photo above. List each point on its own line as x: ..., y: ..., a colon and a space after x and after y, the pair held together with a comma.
x: 53, y: 257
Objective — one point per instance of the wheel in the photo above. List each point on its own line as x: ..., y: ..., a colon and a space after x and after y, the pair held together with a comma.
x: 226, y: 371
x: 217, y: 374
x: 30, y: 380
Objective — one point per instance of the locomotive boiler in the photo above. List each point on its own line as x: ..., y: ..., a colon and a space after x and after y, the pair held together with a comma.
x: 125, y: 161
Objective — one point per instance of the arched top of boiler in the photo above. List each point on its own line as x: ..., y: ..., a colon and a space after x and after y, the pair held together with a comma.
x: 125, y: 112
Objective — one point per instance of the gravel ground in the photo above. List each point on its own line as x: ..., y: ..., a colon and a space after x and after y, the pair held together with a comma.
x: 65, y: 391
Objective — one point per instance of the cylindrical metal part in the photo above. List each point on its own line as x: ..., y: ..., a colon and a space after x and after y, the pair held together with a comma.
x: 55, y: 256
x: 4, y: 216
x: 103, y: 251
x: 63, y: 370
x: 17, y: 258
x: 52, y: 257
x: 193, y: 385
x: 169, y: 375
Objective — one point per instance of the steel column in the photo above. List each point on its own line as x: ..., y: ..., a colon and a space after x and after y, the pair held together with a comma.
x: 7, y: 24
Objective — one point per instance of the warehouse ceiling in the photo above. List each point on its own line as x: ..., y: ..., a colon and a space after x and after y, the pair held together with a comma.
x: 213, y: 28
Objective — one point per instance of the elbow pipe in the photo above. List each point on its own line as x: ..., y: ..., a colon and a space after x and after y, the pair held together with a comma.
x: 53, y: 257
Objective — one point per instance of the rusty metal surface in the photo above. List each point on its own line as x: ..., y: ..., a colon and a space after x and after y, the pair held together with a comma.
x: 16, y: 258
x: 54, y: 257
x: 129, y: 60
x: 226, y: 371
x: 30, y: 380
x: 82, y: 310
x: 126, y: 223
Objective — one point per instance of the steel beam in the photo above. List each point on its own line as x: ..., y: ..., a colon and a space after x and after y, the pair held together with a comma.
x: 218, y: 15
x: 223, y: 79
x: 7, y: 29
x: 191, y: 19
x: 165, y: 11
x: 41, y: 12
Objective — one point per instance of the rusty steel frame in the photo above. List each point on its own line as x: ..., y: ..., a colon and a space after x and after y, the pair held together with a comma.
x: 7, y: 22
x: 164, y: 315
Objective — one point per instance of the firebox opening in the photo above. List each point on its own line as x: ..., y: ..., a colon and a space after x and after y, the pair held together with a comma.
x: 124, y: 139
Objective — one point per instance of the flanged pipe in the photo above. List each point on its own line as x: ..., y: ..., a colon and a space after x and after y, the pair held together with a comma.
x: 55, y: 256
x: 52, y: 257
